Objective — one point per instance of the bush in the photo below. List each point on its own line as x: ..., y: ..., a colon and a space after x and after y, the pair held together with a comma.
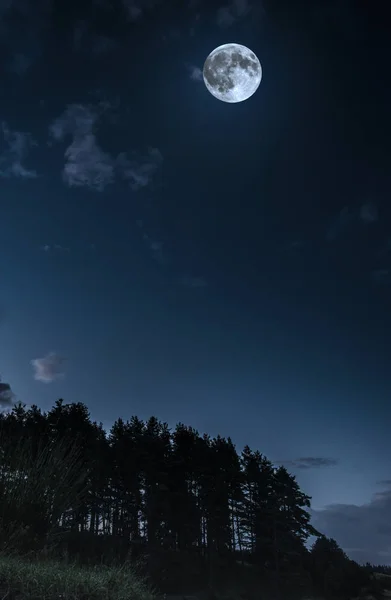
x: 37, y: 485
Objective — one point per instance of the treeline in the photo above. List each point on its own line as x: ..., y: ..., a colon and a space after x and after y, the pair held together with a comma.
x: 383, y: 569
x: 194, y: 509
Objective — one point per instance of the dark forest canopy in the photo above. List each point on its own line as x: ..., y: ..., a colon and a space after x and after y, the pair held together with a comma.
x: 141, y: 489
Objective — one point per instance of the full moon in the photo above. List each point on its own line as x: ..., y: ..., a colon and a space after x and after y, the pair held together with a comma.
x: 232, y: 73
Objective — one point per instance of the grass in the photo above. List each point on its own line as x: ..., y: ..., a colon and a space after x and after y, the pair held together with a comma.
x: 21, y: 579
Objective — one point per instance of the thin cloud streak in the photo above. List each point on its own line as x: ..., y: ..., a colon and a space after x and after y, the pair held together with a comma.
x: 309, y: 462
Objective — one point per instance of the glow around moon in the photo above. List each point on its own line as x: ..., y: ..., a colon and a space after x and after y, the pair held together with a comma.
x: 232, y: 73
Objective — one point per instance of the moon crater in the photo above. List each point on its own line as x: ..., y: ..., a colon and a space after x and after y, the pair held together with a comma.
x: 232, y: 73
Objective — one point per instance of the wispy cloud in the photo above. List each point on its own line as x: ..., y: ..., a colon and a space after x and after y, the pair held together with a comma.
x: 156, y: 249
x: 139, y: 171
x: 195, y: 73
x: 55, y: 248
x: 228, y: 14
x: 351, y: 217
x: 135, y: 9
x: 86, y: 164
x: 49, y: 368
x: 76, y: 120
x: 363, y: 531
x: 16, y: 148
x: 6, y: 395
x: 310, y: 462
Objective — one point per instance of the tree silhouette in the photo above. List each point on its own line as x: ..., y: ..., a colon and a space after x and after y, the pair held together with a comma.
x: 191, y: 504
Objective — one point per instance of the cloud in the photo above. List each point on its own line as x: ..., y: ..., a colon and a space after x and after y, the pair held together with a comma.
x: 310, y: 462
x: 6, y: 395
x: 86, y: 164
x: 138, y: 172
x: 49, y: 368
x: 348, y: 218
x: 17, y: 145
x: 230, y: 13
x: 76, y: 120
x: 369, y: 213
x: 193, y: 282
x: 156, y: 249
x: 55, y: 248
x: 363, y: 531
x: 195, y: 73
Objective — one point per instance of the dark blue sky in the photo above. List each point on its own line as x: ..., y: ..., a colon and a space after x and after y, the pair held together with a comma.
x: 223, y: 265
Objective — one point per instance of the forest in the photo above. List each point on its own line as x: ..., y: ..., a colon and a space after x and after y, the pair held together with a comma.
x: 190, y: 512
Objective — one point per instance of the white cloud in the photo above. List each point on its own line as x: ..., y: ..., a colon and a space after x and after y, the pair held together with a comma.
x: 86, y: 164
x: 17, y: 145
x: 76, y: 120
x: 195, y: 73
x: 49, y: 368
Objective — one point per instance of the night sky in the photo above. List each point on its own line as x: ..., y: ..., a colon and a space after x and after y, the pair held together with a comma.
x: 223, y: 265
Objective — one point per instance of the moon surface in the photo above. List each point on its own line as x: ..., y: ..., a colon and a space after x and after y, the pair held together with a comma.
x: 232, y: 73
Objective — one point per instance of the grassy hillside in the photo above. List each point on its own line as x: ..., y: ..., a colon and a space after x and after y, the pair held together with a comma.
x: 45, y: 579
x: 21, y: 579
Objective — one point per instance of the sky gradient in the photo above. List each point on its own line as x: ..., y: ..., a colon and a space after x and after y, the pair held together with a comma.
x: 223, y: 265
